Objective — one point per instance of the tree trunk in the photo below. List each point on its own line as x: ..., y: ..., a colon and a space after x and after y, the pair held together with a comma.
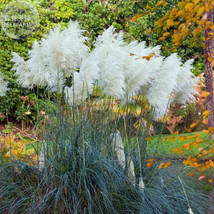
x: 208, y: 66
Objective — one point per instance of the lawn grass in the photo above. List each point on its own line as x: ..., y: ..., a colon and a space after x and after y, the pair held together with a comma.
x: 156, y: 145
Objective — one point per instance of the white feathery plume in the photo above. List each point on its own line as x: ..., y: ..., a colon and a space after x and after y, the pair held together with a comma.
x: 163, y: 86
x: 112, y: 78
x: 58, y: 55
x: 3, y: 86
x: 139, y: 72
x: 109, y: 54
x: 75, y: 42
x: 186, y: 84
x: 89, y: 69
x: 21, y: 70
x: 38, y: 65
x: 54, y: 50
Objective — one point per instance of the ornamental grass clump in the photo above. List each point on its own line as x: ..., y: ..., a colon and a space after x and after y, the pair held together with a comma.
x: 93, y: 158
x: 79, y: 178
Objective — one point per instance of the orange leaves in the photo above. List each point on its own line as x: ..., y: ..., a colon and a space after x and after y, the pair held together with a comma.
x: 191, y: 161
x: 134, y: 18
x: 165, y: 165
x: 164, y: 140
x: 149, y: 56
x: 166, y: 34
x: 176, y: 133
x: 210, y: 180
x: 150, y: 162
x: 187, y: 146
x: 205, y: 122
x: 205, y: 94
x: 161, y: 3
x: 177, y: 150
x: 190, y: 174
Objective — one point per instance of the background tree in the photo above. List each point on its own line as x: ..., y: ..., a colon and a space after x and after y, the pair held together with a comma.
x: 193, y: 19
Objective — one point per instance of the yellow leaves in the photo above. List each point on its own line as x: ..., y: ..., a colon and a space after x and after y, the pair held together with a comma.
x: 189, y: 130
x: 205, y: 94
x: 193, y: 125
x: 164, y: 165
x: 42, y: 112
x: 149, y: 31
x: 181, y: 26
x: 134, y: 18
x: 200, y: 11
x: 197, y: 30
x: 160, y: 22
x: 161, y: 3
x: 206, y: 114
x: 196, y: 2
x: 181, y: 5
x: 205, y: 131
x: 149, y: 8
x: 177, y: 150
x: 166, y: 34
x: 189, y: 6
x: 13, y: 146
x: 198, y: 134
x: 169, y: 22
